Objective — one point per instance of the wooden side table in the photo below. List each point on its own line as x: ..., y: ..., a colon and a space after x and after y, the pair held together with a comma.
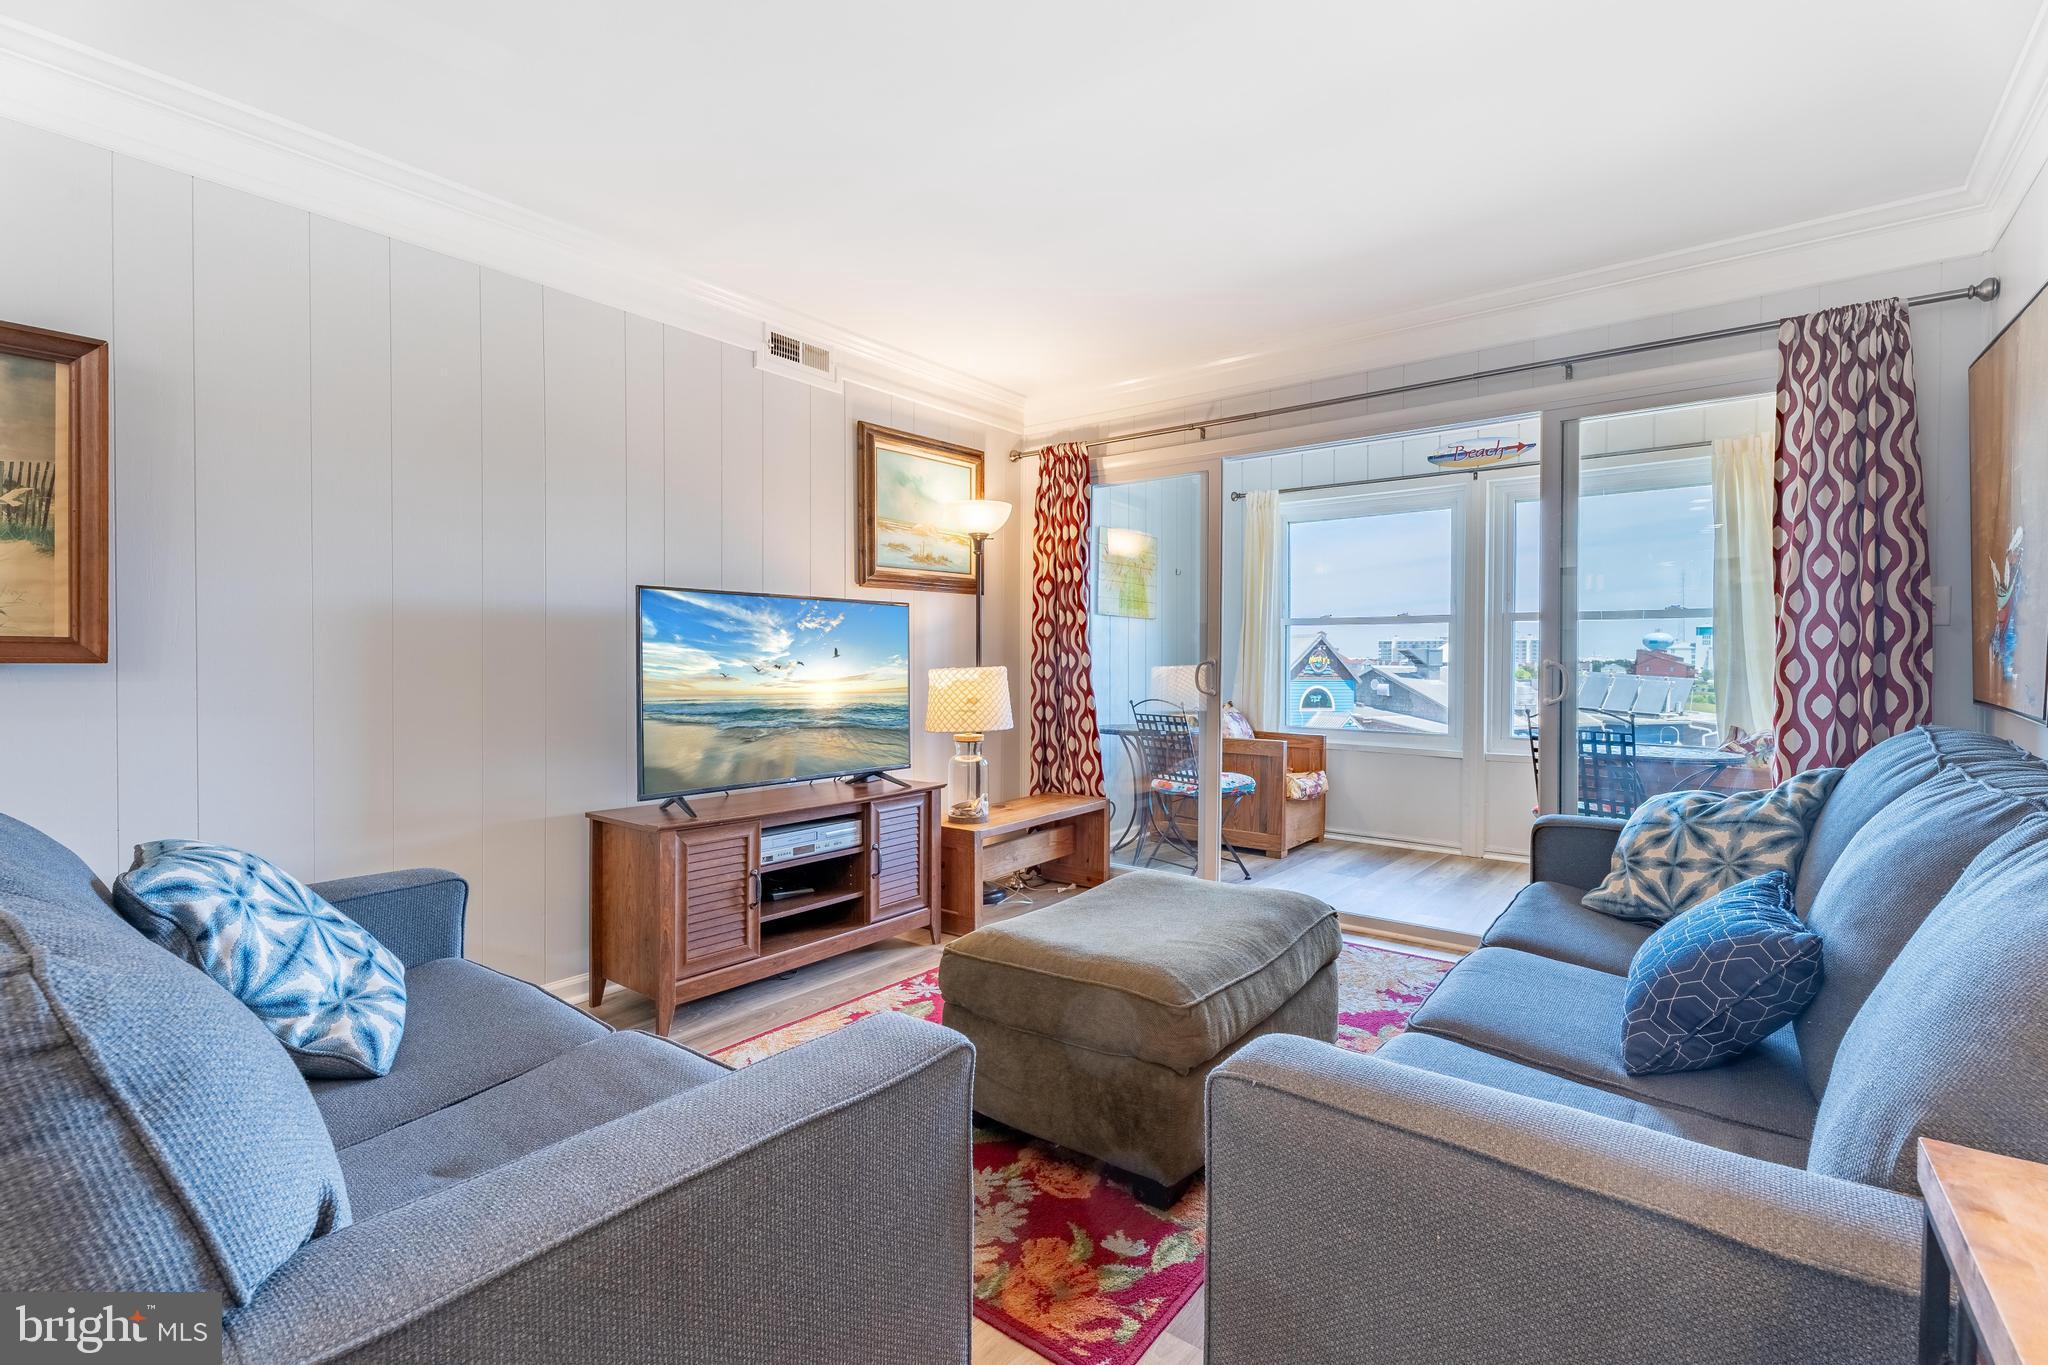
x: 1987, y: 1232
x: 1065, y: 837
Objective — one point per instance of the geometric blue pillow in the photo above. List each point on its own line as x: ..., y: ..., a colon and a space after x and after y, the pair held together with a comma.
x: 1719, y: 979
x: 332, y: 994
x: 1681, y: 847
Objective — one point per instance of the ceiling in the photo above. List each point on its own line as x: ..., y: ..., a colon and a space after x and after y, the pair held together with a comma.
x: 1068, y: 198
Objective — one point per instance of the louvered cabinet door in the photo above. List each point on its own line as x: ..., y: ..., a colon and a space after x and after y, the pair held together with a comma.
x: 900, y: 855
x: 721, y: 908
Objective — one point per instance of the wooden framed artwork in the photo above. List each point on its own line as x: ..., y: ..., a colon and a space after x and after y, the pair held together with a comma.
x: 2009, y: 516
x: 53, y: 497
x: 906, y: 484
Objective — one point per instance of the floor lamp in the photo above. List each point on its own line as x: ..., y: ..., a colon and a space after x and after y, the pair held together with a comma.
x: 979, y: 519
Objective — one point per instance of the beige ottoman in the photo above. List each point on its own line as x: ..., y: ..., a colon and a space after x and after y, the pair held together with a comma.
x: 1096, y: 1021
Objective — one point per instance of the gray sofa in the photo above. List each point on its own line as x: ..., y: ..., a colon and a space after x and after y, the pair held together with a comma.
x: 526, y: 1184
x: 1491, y: 1186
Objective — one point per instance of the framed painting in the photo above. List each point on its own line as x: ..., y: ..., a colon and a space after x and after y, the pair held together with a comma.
x: 1127, y: 573
x: 53, y: 497
x: 2009, y: 516
x: 907, y: 483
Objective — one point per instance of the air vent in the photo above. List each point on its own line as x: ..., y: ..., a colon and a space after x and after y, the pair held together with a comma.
x: 799, y: 359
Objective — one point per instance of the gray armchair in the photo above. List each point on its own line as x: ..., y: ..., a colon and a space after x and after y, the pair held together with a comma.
x: 811, y: 1207
x: 525, y: 1184
x: 1362, y: 1210
x: 1494, y: 1186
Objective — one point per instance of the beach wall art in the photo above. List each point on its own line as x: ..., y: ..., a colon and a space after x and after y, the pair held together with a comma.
x: 745, y: 689
x: 2009, y: 516
x: 907, y: 484
x: 53, y: 497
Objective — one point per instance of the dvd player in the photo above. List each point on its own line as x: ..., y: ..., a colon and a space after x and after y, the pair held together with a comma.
x: 782, y: 843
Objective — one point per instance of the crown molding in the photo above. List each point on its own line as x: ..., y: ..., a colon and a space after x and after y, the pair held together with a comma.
x: 1945, y: 225
x: 67, y: 88
x: 64, y: 87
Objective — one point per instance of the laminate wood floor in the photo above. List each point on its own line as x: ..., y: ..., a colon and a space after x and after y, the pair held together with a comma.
x: 1401, y: 898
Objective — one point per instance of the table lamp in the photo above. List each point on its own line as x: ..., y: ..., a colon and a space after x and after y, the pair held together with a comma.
x: 967, y: 703
x: 978, y: 519
x: 1175, y: 684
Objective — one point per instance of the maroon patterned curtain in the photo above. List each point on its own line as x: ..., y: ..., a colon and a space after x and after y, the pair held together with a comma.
x: 1066, y: 751
x: 1855, y: 625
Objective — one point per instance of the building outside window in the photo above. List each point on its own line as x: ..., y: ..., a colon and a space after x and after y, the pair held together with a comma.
x: 1372, y: 588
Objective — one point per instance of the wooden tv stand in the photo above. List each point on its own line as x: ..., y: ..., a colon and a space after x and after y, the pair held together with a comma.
x: 682, y: 908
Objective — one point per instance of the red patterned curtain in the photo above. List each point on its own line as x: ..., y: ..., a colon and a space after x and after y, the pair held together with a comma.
x: 1066, y: 752
x: 1855, y: 625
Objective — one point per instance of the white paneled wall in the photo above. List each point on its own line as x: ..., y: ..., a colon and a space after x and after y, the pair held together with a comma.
x: 377, y: 516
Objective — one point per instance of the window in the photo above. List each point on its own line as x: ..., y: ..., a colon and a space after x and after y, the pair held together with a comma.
x: 1515, y: 530
x: 1646, y: 587
x: 1373, y: 584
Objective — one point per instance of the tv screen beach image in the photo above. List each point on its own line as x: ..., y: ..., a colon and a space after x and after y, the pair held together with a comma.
x: 738, y: 689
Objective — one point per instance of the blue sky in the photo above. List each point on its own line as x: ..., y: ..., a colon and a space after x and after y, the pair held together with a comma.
x: 736, y: 645
x: 1639, y: 550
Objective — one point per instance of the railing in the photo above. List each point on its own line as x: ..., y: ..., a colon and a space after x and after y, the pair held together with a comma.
x: 27, y: 488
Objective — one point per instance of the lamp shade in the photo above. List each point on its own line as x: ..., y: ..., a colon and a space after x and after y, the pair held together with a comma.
x: 978, y: 516
x: 967, y: 701
x: 1174, y: 684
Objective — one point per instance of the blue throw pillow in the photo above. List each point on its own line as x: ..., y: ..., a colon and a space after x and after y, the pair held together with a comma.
x: 1681, y: 847
x: 1719, y: 979
x: 332, y: 994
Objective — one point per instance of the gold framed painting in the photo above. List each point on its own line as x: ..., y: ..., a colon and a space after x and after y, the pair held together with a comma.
x: 53, y: 497
x: 907, y: 483
x: 2009, y: 516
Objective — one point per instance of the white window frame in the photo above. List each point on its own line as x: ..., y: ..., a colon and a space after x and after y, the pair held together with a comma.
x: 1450, y: 496
x: 1502, y: 498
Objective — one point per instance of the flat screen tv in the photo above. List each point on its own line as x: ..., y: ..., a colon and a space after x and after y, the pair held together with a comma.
x: 741, y: 689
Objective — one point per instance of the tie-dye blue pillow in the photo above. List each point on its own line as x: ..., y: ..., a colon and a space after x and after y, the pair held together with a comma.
x: 1682, y: 848
x: 318, y: 980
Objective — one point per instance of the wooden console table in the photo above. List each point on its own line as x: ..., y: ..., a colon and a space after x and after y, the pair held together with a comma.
x: 683, y: 908
x: 1065, y: 837
x: 1987, y: 1232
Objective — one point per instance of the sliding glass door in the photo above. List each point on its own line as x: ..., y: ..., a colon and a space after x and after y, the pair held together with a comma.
x: 1658, y: 618
x: 1153, y: 632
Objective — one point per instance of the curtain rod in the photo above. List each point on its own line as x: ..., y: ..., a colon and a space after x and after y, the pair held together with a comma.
x: 1239, y: 495
x: 1983, y: 291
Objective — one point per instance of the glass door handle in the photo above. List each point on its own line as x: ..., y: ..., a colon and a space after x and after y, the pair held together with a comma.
x: 1553, y: 698
x: 1209, y: 678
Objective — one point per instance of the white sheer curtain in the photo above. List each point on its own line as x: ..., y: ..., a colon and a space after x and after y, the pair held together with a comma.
x: 1258, y: 617
x: 1745, y: 639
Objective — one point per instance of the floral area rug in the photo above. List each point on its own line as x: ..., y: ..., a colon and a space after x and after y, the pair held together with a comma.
x: 1066, y: 1259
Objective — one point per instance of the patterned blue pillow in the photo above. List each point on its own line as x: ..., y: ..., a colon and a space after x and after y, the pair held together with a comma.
x: 1679, y: 848
x: 318, y: 980
x: 1719, y: 979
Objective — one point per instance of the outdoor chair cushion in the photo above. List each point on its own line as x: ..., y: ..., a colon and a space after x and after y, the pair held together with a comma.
x: 1234, y: 784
